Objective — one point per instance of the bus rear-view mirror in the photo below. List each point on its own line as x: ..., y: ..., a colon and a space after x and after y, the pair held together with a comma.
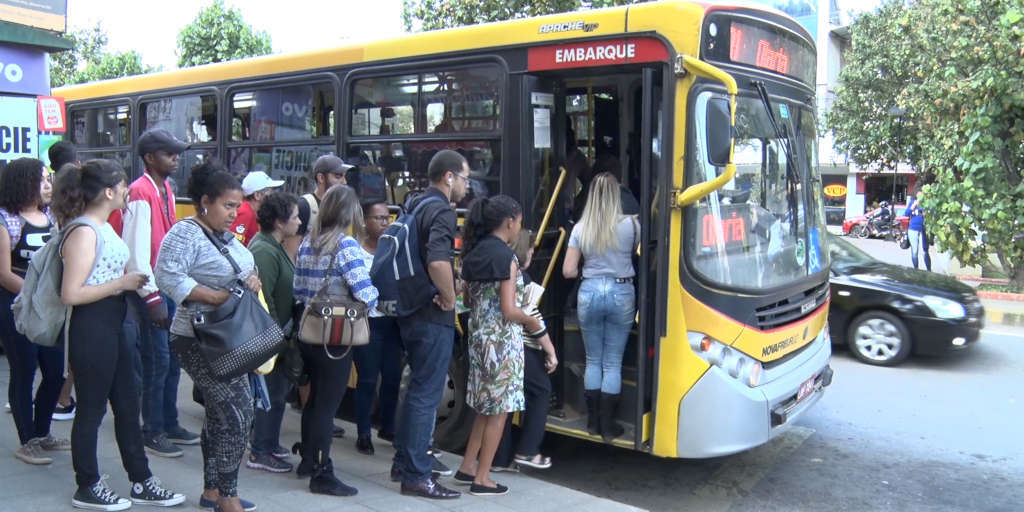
x: 719, y: 131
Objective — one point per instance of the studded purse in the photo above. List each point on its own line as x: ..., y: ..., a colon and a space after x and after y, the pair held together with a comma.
x: 239, y: 335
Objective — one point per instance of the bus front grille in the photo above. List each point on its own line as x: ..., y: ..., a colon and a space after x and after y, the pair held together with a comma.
x: 791, y: 309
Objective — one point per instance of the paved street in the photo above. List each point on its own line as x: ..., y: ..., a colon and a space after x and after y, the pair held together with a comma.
x: 25, y: 488
x: 937, y: 434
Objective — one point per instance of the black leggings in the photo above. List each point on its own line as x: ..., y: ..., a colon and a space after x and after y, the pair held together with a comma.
x: 107, y: 368
x: 328, y: 379
x: 228, y: 417
x: 32, y: 418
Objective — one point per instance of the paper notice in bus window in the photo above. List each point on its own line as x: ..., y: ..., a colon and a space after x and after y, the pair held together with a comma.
x: 541, y: 128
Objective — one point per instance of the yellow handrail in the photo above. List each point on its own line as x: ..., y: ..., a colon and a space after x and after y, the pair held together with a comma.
x: 699, y: 190
x: 554, y: 259
x: 551, y: 207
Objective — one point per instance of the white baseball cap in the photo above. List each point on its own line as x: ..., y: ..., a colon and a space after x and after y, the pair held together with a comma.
x: 256, y: 181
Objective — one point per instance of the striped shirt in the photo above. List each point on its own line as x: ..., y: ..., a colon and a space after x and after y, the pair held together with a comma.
x: 310, y: 269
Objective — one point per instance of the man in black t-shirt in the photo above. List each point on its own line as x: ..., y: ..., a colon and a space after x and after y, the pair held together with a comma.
x: 429, y: 333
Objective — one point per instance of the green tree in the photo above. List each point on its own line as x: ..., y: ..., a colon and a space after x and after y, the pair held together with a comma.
x: 437, y: 14
x: 88, y: 59
x: 955, y: 68
x: 218, y: 34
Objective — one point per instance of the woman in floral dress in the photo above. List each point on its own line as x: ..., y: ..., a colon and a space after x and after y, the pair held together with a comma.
x: 496, y: 322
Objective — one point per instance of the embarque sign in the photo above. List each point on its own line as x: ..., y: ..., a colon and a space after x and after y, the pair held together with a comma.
x: 596, y: 53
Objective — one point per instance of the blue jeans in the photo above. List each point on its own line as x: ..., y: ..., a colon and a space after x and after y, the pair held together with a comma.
x: 428, y: 347
x: 32, y: 419
x: 918, y: 240
x: 160, y: 371
x: 383, y: 357
x: 266, y: 425
x: 606, y: 311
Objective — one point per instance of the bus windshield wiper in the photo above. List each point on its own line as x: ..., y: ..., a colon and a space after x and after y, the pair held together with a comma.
x: 792, y: 177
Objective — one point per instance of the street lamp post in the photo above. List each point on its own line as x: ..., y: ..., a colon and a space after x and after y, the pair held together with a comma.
x: 897, y: 112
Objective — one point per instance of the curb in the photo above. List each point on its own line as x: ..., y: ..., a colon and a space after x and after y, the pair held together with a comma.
x: 988, y: 280
x: 1000, y: 317
x: 983, y: 294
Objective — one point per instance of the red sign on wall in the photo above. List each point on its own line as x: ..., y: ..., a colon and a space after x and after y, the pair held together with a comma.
x: 51, y: 114
x: 597, y: 53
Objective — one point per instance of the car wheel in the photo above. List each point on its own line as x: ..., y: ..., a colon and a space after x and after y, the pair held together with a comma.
x: 879, y: 338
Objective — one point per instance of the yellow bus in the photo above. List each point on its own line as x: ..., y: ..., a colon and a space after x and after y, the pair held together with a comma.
x: 704, y: 111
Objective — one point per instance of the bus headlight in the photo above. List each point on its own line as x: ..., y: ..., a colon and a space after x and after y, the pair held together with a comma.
x: 944, y: 308
x: 733, y: 362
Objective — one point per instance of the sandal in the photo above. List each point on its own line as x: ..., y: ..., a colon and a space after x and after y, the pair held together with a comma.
x: 537, y: 461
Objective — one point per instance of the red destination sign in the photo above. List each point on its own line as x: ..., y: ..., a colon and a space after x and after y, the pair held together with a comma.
x: 596, y: 53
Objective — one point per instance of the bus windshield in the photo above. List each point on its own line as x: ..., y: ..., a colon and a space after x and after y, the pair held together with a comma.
x: 764, y: 228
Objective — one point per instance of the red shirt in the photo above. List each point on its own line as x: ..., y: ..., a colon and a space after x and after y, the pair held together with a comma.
x: 245, y: 226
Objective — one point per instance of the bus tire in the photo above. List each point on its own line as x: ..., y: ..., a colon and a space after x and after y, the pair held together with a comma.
x: 455, y: 417
x: 879, y: 338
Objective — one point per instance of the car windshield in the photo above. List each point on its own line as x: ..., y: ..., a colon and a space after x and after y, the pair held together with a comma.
x: 846, y: 255
x: 762, y: 229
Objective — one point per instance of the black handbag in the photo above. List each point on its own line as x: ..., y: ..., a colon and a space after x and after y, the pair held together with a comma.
x: 905, y: 241
x: 238, y: 336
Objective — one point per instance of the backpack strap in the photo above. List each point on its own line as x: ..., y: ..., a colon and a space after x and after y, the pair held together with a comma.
x: 76, y: 223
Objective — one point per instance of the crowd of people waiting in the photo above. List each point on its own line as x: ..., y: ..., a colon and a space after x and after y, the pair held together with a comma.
x: 135, y: 276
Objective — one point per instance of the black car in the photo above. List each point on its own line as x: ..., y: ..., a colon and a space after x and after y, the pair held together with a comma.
x: 886, y: 312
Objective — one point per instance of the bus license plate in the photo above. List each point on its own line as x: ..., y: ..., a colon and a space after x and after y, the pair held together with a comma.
x: 805, y: 389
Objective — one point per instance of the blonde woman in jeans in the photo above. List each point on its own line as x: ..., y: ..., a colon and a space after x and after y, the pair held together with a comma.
x: 606, y: 302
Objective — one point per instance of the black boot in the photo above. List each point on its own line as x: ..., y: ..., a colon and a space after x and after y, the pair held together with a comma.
x: 610, y: 429
x: 593, y: 396
x: 324, y: 482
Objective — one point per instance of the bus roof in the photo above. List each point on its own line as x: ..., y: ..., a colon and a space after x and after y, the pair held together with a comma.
x: 674, y: 20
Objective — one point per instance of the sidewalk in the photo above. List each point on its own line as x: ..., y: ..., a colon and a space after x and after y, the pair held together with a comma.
x: 49, y: 488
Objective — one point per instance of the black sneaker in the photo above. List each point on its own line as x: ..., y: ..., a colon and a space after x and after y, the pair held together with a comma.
x: 463, y: 478
x: 483, y: 490
x: 151, y: 492
x: 99, y: 497
x: 439, y: 468
x: 267, y: 462
x: 280, y: 452
x: 178, y: 435
x: 161, y: 446
x: 327, y: 483
x: 434, y: 452
x: 64, y: 412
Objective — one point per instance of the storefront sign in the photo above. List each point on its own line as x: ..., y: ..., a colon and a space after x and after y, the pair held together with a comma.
x: 51, y: 114
x: 23, y: 70
x: 48, y: 14
x: 17, y: 128
x: 596, y: 53
x: 835, y: 191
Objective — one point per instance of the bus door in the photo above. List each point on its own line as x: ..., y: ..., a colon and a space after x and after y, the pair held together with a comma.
x: 582, y: 124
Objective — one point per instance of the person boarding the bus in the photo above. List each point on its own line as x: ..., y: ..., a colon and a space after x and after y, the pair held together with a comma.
x: 147, y: 219
x: 606, y: 240
x: 255, y: 187
x: 428, y: 335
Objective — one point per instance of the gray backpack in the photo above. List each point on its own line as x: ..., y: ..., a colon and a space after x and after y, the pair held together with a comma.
x: 39, y: 313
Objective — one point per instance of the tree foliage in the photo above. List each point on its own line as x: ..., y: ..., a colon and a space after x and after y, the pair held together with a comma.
x: 955, y: 67
x: 219, y: 34
x: 88, y: 60
x: 437, y: 14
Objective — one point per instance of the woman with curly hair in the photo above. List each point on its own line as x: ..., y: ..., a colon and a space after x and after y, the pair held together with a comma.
x: 25, y: 194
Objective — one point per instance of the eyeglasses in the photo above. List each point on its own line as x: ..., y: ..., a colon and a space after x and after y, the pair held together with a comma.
x: 457, y: 175
x: 380, y: 218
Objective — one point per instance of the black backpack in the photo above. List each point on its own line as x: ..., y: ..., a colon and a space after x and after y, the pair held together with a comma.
x: 398, y: 272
